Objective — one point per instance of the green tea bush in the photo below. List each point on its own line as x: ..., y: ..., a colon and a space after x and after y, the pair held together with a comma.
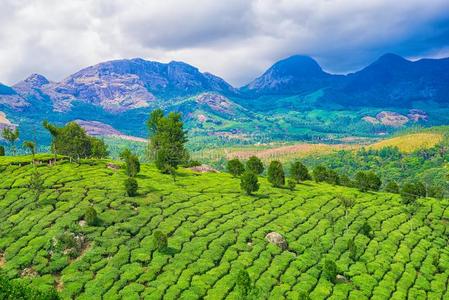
x: 90, y: 216
x: 160, y: 240
x: 330, y: 270
x: 291, y: 183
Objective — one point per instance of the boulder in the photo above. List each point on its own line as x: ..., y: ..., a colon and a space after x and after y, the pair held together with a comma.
x: 341, y: 278
x: 203, y: 169
x: 276, y: 239
x: 112, y: 166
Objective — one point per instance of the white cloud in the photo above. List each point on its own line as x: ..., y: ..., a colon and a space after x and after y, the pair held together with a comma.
x: 235, y: 39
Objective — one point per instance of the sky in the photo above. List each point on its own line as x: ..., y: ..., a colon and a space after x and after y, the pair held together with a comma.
x: 234, y: 39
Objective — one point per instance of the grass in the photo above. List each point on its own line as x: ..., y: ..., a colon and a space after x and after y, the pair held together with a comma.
x: 410, y: 142
x: 213, y: 232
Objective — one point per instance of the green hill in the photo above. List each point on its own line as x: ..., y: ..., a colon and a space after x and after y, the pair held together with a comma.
x: 214, y: 231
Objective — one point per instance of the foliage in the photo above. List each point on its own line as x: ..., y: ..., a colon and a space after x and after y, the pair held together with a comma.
x: 330, y: 270
x: 249, y: 182
x: 72, y: 140
x: 11, y: 136
x: 160, y: 240
x: 299, y: 172
x: 131, y: 187
x: 31, y: 146
x: 291, y: 183
x: 320, y: 173
x: 214, y: 233
x: 167, y: 140
x: 255, y: 165
x: 2, y: 150
x: 36, y: 185
x: 352, y: 248
x: 235, y: 167
x: 132, y: 164
x: 366, y: 230
x: 14, y: 290
x: 243, y: 284
x: 367, y: 181
x: 90, y: 216
x: 98, y: 148
x: 411, y: 191
x: 392, y: 187
x: 276, y: 174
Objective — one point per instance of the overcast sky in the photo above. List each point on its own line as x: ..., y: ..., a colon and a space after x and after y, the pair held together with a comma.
x: 234, y: 39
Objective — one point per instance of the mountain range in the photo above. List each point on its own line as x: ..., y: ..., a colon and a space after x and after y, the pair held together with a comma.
x: 119, y: 90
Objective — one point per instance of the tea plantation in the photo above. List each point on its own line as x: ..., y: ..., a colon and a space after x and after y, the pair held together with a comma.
x: 214, y: 231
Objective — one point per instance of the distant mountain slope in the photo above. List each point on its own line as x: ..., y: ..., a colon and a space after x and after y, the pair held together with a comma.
x: 120, y: 85
x: 296, y: 74
x: 391, y: 81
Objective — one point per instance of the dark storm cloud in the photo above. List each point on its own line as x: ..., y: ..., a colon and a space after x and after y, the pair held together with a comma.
x: 235, y: 39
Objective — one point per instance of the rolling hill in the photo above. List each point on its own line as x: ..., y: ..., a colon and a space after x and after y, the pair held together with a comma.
x: 213, y: 232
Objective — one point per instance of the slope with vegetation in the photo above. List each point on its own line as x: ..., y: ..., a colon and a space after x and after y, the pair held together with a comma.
x: 339, y: 242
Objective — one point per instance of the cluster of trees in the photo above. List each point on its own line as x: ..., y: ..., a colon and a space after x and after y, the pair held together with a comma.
x: 70, y: 140
x: 254, y: 167
x: 394, y: 167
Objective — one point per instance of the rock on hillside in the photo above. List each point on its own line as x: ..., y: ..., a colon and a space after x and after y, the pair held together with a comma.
x: 95, y: 128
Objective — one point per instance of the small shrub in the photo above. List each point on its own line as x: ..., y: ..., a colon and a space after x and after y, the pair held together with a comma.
x: 235, y: 167
x: 132, y: 164
x: 255, y: 165
x: 249, y: 182
x: 131, y: 187
x: 330, y: 270
x: 346, y: 181
x: 291, y: 183
x: 276, y: 174
x: 366, y: 230
x: 90, y: 216
x: 160, y: 240
x: 2, y: 151
x: 243, y: 284
x: 352, y: 248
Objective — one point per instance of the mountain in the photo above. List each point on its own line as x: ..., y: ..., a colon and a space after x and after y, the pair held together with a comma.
x: 390, y: 81
x: 295, y: 99
x: 121, y: 85
x: 293, y: 75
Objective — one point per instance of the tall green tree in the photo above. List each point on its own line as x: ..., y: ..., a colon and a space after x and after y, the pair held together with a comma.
x: 167, y: 140
x: 54, y: 132
x: 249, y: 182
x: 11, y: 136
x: 320, y: 173
x: 235, y: 167
x: 255, y: 165
x: 31, y: 146
x: 276, y: 175
x: 299, y: 172
x: 132, y: 164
